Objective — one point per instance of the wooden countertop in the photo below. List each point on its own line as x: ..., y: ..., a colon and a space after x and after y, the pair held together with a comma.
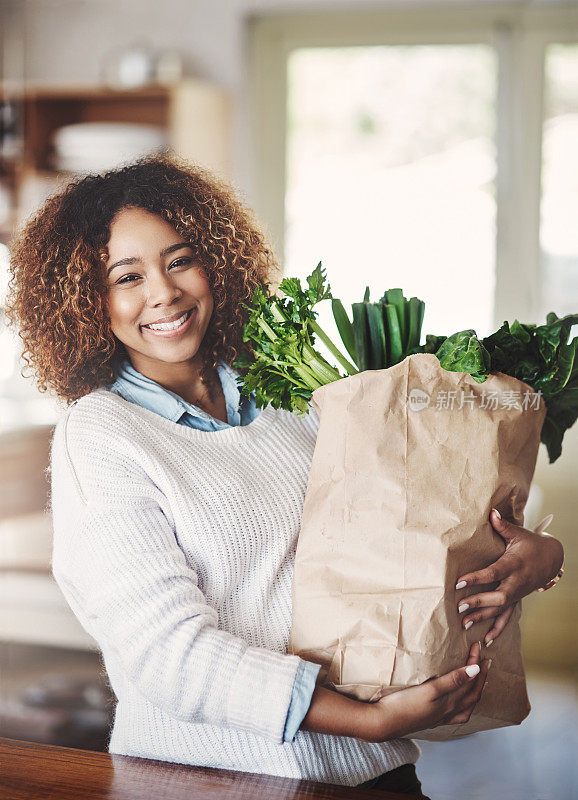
x: 31, y: 771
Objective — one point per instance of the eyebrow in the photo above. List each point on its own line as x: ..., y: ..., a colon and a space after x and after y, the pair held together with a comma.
x: 127, y: 261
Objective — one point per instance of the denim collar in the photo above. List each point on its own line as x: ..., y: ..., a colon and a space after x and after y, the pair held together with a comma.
x: 137, y: 388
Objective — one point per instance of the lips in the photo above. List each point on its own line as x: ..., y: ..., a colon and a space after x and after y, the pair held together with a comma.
x: 170, y: 330
x: 162, y: 320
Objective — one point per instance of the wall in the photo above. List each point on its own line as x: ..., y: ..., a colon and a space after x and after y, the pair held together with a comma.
x: 211, y: 34
x: 549, y: 620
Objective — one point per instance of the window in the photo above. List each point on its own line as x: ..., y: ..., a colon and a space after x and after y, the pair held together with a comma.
x: 390, y: 175
x: 559, y: 202
x: 427, y: 149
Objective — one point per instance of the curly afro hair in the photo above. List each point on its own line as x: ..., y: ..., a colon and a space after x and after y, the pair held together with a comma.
x: 57, y: 293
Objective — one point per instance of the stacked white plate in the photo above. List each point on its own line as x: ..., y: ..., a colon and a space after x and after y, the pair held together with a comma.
x: 99, y: 146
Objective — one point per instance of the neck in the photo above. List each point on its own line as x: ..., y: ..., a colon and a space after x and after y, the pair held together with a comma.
x: 182, y: 378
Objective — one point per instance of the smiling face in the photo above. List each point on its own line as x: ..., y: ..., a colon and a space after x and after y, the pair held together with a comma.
x: 154, y: 280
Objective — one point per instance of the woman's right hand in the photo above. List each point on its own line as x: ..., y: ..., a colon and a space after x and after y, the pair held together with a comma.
x: 446, y: 700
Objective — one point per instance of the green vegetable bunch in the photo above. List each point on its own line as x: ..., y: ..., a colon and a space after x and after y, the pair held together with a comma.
x: 382, y: 334
x: 284, y: 368
x: 540, y: 355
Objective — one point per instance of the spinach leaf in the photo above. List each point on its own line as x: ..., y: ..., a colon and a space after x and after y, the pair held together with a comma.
x: 539, y: 355
x: 463, y: 352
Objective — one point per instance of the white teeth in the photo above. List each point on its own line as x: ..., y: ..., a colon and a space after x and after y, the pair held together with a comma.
x: 168, y: 326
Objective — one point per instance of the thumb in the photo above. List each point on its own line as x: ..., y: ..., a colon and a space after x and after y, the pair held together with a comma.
x: 504, y: 528
x: 455, y: 679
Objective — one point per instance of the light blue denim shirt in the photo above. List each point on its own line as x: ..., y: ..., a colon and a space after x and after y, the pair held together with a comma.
x: 134, y: 387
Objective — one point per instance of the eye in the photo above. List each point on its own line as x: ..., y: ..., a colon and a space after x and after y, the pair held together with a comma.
x: 127, y: 278
x: 181, y: 261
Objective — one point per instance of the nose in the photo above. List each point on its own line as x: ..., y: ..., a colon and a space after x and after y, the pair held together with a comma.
x: 162, y: 290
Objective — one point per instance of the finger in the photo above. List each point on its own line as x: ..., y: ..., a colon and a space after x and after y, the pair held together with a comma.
x: 474, y: 654
x: 499, y: 625
x: 463, y: 704
x: 478, y: 616
x: 507, y: 530
x: 459, y: 718
x: 500, y: 598
x: 467, y: 703
x: 454, y: 681
x: 499, y: 569
x: 544, y: 524
x: 475, y: 691
x: 496, y: 572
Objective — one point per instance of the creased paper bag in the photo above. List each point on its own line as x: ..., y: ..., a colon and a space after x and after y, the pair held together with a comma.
x: 407, y: 465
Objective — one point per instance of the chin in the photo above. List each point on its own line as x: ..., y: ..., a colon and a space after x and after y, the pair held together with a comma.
x: 175, y: 357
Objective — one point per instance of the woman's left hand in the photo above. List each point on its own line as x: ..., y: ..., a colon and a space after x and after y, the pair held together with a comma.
x: 528, y: 563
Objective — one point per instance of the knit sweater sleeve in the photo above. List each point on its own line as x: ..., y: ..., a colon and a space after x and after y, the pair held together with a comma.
x: 117, y: 561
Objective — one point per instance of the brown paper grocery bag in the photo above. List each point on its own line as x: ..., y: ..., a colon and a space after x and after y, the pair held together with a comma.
x: 408, y: 463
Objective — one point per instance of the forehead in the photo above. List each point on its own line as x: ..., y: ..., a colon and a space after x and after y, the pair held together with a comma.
x: 139, y: 229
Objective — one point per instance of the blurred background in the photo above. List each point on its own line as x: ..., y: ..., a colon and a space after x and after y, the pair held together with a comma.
x: 423, y: 145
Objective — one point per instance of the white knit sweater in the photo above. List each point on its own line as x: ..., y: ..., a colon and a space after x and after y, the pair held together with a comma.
x: 174, y: 548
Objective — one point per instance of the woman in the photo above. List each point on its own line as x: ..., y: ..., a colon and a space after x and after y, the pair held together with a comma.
x: 177, y: 504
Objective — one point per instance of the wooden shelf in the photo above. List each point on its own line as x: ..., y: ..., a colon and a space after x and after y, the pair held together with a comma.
x: 194, y: 114
x: 46, y: 112
x: 84, y: 92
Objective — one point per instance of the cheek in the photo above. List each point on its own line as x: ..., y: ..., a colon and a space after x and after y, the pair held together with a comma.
x: 203, y: 281
x: 121, y: 311
x: 203, y: 290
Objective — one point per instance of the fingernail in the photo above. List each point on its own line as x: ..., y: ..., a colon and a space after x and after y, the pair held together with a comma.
x: 489, y: 642
x: 463, y: 607
x: 472, y: 670
x: 468, y: 625
x: 497, y: 513
x: 461, y: 584
x: 490, y: 663
x: 544, y: 524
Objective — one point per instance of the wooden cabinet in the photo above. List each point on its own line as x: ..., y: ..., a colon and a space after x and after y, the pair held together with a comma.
x: 194, y: 113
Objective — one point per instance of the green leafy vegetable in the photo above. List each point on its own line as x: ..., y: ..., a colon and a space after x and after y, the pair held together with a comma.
x: 284, y: 368
x: 344, y: 327
x: 376, y: 335
x: 395, y: 298
x: 395, y: 341
x: 463, y: 352
x: 414, y: 316
x: 538, y: 355
x: 361, y: 335
x: 384, y: 333
x: 542, y: 357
